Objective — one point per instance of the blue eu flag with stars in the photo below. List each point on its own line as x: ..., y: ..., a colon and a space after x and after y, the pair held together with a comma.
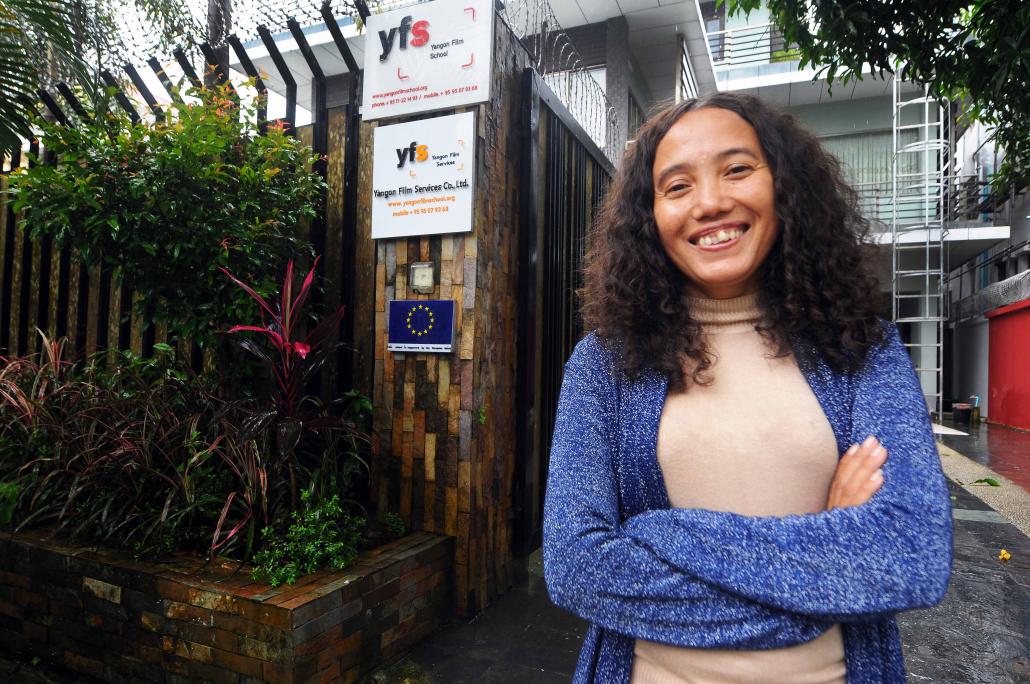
x: 421, y: 325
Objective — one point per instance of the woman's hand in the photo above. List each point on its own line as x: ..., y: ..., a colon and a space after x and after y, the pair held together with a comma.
x: 858, y: 474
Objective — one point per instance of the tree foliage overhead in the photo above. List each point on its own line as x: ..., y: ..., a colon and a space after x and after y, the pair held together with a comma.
x: 43, y: 42
x: 26, y: 28
x: 973, y: 51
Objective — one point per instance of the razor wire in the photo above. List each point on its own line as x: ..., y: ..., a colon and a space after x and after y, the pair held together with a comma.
x: 996, y: 295
x: 556, y: 59
x: 205, y: 21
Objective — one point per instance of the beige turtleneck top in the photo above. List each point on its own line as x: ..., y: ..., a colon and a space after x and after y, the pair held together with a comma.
x: 755, y: 442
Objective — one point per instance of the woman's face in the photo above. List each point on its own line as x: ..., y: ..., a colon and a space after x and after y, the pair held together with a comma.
x: 714, y: 202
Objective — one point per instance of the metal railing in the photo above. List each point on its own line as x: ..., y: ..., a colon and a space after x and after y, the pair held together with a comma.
x: 962, y: 199
x: 750, y: 45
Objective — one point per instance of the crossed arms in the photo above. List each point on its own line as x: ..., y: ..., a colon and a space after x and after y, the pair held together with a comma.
x: 706, y: 579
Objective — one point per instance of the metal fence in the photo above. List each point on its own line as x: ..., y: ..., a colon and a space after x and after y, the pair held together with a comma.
x: 565, y: 176
x: 44, y: 288
x: 143, y: 37
x: 552, y: 52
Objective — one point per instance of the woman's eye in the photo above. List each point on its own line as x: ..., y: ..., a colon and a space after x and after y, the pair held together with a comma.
x: 738, y: 169
x: 676, y: 189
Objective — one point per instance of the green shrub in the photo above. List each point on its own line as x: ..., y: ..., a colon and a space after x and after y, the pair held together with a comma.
x: 142, y: 454
x: 321, y: 535
x: 307, y: 442
x: 168, y: 204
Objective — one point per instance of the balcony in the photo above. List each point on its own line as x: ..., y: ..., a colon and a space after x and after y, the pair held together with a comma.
x: 750, y: 46
x: 917, y: 199
x: 961, y: 211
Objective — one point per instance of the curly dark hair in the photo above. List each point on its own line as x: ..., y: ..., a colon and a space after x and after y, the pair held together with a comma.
x: 817, y: 284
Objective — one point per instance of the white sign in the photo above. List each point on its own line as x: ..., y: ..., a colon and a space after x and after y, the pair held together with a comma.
x: 423, y: 176
x: 429, y: 56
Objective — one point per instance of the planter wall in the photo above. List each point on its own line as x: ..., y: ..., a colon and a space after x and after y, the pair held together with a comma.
x: 115, y: 619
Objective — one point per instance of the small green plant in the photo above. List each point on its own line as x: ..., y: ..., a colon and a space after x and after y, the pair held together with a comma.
x: 321, y: 535
x: 394, y: 524
x: 8, y: 501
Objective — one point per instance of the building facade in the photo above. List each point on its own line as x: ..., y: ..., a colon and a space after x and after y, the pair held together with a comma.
x: 951, y: 252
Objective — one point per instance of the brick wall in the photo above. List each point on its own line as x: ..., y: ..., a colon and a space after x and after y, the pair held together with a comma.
x: 113, y: 618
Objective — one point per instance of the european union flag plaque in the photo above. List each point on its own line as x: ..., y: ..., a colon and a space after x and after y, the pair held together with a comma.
x: 420, y: 325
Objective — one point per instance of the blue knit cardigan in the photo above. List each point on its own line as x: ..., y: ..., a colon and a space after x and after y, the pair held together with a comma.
x: 616, y: 554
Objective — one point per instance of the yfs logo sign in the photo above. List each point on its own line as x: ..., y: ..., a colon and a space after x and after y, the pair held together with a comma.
x: 419, y: 32
x: 413, y: 152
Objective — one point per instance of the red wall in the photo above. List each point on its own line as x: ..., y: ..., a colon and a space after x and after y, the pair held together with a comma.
x: 1008, y: 373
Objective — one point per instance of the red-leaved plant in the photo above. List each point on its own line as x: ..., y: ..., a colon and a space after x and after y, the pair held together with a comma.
x: 292, y: 357
x: 292, y: 368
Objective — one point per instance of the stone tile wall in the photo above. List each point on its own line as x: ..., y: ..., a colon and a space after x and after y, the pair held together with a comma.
x: 444, y: 432
x: 113, y: 618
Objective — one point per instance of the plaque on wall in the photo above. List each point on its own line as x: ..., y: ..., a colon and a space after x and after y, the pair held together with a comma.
x: 420, y: 325
x: 423, y: 176
x: 426, y: 57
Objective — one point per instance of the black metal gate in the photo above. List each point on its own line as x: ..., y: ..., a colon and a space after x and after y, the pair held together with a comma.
x: 564, y: 177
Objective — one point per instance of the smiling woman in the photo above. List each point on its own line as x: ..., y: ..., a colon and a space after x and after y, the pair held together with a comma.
x: 743, y: 482
x: 714, y: 203
x: 732, y: 160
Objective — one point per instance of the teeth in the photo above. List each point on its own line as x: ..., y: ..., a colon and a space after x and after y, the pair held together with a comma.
x: 720, y: 237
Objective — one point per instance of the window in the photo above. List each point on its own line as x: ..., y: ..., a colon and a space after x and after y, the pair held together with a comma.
x: 636, y: 116
x: 714, y: 19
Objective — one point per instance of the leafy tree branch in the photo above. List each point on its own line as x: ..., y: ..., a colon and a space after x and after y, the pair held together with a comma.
x: 976, y: 52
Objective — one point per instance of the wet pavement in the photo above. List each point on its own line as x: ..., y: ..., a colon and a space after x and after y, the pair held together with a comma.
x: 522, y: 638
x: 1003, y: 449
x: 980, y: 633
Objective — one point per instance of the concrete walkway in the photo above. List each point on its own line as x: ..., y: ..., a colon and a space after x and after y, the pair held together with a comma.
x: 979, y: 634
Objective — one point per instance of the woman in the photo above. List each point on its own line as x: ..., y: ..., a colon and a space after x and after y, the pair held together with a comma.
x: 744, y: 485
